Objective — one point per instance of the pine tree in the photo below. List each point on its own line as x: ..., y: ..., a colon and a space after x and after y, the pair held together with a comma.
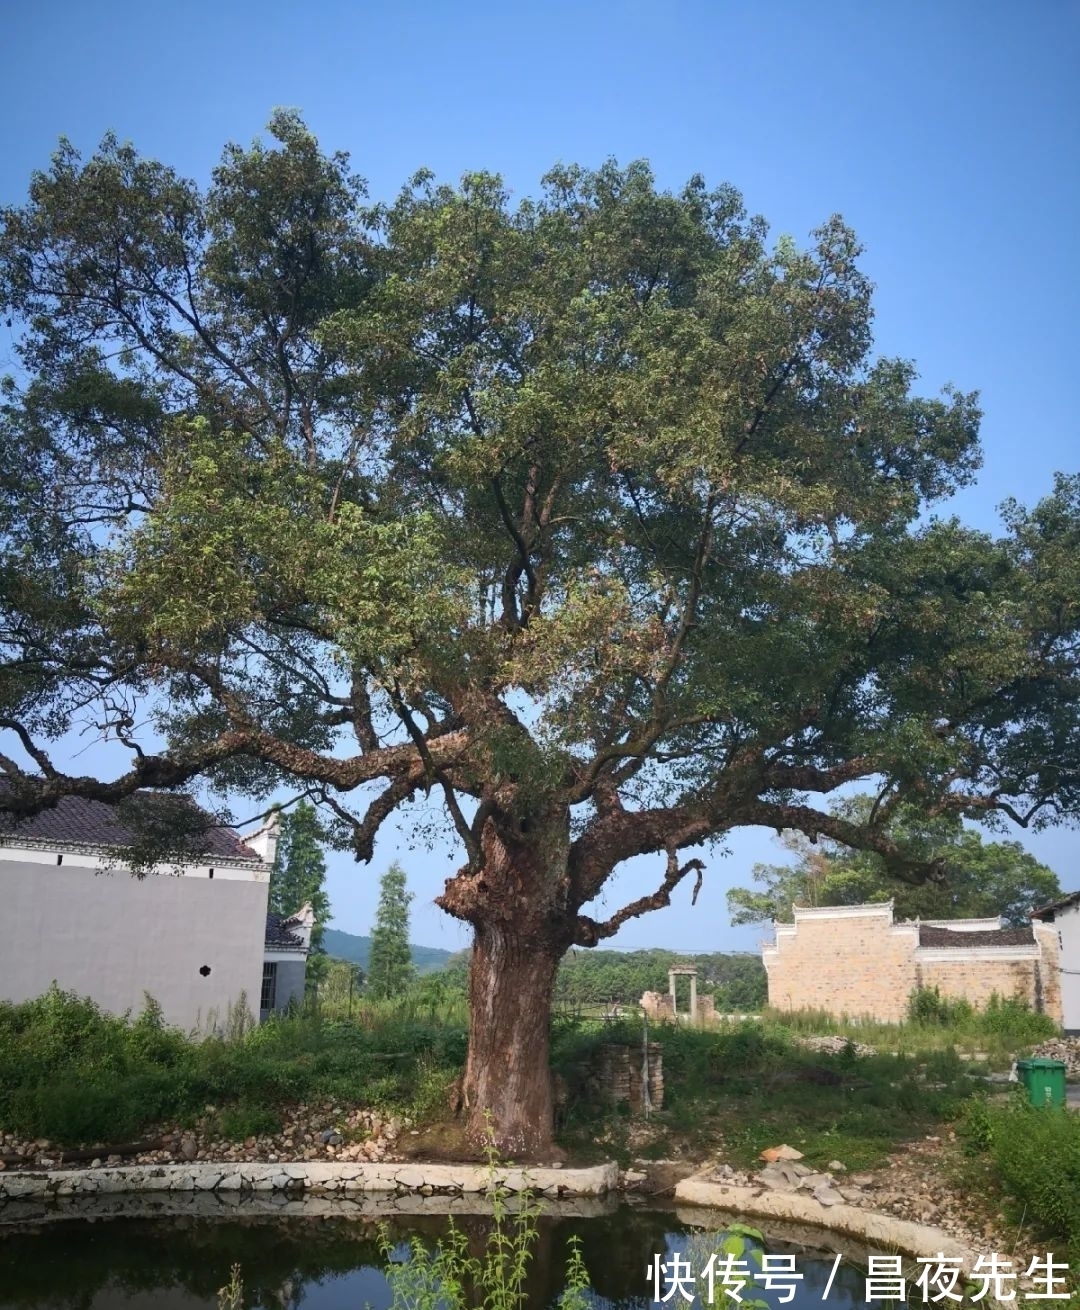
x: 390, y: 968
x: 298, y: 876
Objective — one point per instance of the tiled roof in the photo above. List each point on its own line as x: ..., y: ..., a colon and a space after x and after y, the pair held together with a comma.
x: 278, y: 936
x: 1001, y: 937
x: 1072, y: 898
x: 74, y: 821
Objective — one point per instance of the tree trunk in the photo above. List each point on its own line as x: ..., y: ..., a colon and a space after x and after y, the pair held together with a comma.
x: 507, y: 1089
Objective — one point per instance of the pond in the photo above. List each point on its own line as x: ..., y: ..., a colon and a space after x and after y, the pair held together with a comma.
x: 334, y: 1263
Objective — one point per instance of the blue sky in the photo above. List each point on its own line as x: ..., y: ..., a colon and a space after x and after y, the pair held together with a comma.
x: 945, y: 132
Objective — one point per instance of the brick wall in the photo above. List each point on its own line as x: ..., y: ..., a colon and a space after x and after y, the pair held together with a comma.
x: 977, y: 979
x: 846, y: 960
x: 854, y: 961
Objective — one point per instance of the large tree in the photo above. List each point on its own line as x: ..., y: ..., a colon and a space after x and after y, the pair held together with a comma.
x: 980, y: 879
x: 592, y: 515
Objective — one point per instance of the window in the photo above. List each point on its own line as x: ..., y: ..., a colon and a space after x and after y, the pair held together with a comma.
x: 269, y: 987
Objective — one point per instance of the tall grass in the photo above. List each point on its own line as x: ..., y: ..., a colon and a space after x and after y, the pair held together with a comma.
x: 1005, y: 1026
x: 71, y: 1073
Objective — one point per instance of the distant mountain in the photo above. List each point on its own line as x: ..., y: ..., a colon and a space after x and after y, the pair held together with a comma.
x: 348, y: 946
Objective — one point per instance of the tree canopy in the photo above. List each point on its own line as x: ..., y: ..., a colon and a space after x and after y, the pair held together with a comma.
x: 980, y: 879
x: 593, y: 515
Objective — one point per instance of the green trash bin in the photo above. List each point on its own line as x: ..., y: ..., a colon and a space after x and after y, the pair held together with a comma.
x: 1044, y: 1080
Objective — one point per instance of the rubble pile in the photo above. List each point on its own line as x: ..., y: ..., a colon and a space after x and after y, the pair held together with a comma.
x: 1066, y: 1049
x: 834, y: 1045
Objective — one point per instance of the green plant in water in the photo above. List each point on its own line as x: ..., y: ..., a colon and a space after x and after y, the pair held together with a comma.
x: 575, y: 1295
x: 231, y: 1296
x: 449, y: 1278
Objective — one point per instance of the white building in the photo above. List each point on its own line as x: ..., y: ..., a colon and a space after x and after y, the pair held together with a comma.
x: 1064, y: 914
x: 193, y: 932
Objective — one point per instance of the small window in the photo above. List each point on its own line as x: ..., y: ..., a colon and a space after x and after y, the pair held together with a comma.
x: 211, y: 873
x: 205, y: 971
x: 269, y: 986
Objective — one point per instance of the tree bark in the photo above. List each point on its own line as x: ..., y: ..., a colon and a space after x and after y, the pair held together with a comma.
x: 507, y: 1090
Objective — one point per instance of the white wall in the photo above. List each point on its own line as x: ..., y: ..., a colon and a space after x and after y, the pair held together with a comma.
x: 113, y: 937
x: 1067, y: 922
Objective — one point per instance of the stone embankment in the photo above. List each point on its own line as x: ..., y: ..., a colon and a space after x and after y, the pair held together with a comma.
x: 301, y: 1179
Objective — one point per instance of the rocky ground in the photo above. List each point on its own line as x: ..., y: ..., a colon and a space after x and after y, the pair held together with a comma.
x: 323, y: 1131
x: 928, y: 1182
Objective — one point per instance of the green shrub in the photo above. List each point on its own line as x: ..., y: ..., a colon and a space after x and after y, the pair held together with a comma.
x: 77, y: 1076
x: 927, y: 1006
x: 73, y: 1112
x: 1011, y: 1018
x: 1036, y: 1153
x: 238, y: 1122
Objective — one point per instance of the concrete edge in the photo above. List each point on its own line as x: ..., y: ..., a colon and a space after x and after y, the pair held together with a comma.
x: 878, y: 1231
x: 317, y: 1178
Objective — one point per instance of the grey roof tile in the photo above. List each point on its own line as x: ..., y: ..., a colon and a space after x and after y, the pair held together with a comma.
x: 172, y: 817
x: 929, y: 936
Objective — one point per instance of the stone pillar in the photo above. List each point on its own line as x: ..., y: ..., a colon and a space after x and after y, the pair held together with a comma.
x: 693, y: 999
x: 674, y: 998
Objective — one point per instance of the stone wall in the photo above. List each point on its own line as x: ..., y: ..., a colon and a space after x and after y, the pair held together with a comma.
x: 617, y: 1075
x: 976, y: 979
x: 658, y: 1006
x: 317, y: 1178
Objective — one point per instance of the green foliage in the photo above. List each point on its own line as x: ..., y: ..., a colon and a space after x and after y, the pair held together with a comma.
x: 77, y: 1076
x: 927, y: 1006
x: 737, y: 982
x: 979, y: 879
x: 575, y: 1293
x: 1005, y: 1020
x: 591, y: 514
x: 238, y: 1122
x: 356, y: 948
x: 1011, y: 1019
x: 298, y: 878
x: 996, y: 1032
x: 751, y: 1085
x: 449, y: 1278
x: 390, y: 968
x: 1036, y: 1155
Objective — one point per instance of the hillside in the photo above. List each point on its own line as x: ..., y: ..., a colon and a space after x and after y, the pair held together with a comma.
x: 356, y: 949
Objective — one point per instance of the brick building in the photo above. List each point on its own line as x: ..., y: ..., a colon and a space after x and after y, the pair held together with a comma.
x: 854, y: 960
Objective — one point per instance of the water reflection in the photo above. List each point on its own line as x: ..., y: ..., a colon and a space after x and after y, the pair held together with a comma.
x: 335, y: 1264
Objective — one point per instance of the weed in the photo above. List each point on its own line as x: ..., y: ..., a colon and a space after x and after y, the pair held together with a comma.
x: 231, y: 1296
x: 447, y: 1277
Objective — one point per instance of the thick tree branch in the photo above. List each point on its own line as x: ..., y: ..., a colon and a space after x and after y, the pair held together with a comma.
x: 588, y: 931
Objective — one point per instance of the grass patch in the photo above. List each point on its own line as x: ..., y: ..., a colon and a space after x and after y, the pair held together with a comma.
x: 750, y: 1086
x: 934, y: 1023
